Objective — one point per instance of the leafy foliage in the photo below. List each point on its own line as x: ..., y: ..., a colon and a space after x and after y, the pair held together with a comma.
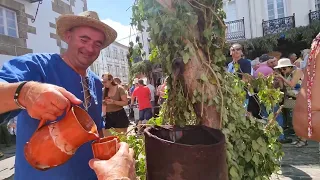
x: 194, y: 32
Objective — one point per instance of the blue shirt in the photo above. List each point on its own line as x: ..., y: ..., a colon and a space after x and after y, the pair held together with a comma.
x: 50, y: 68
x: 244, y: 67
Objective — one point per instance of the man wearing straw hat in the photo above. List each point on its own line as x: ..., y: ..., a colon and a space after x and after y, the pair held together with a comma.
x: 43, y: 86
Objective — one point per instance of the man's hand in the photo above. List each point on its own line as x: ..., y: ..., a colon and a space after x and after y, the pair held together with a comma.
x: 46, y: 101
x: 121, y: 165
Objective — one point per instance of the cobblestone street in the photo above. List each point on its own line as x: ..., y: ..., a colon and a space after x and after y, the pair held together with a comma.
x: 297, y: 164
x: 300, y: 163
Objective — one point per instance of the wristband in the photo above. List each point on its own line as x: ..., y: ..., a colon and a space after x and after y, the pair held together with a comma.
x: 17, y: 93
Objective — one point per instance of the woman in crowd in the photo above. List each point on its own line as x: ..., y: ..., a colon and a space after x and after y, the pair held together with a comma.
x: 161, y: 91
x: 290, y: 80
x: 115, y: 98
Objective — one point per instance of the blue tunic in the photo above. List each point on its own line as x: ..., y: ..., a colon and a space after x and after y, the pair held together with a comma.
x: 50, y: 68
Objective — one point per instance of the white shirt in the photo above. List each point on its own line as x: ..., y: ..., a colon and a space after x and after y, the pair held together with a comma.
x: 152, y: 91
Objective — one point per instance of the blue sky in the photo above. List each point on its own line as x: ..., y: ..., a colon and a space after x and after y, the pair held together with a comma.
x: 115, y: 14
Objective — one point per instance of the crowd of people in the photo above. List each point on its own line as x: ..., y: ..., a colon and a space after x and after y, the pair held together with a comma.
x: 288, y: 74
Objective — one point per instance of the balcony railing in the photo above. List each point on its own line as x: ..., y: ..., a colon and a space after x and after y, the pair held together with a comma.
x: 235, y: 30
x: 278, y: 25
x: 314, y: 16
x: 33, y: 1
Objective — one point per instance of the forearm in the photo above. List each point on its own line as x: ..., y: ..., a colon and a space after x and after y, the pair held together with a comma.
x: 7, y: 91
x: 121, y: 103
x: 289, y: 83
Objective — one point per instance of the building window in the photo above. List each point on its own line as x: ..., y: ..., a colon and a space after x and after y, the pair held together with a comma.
x: 109, y: 68
x: 231, y: 10
x: 121, y: 55
x: 115, y: 53
x: 117, y: 71
x: 275, y: 9
x: 108, y: 52
x: 8, y: 22
x: 317, y: 5
x: 123, y: 71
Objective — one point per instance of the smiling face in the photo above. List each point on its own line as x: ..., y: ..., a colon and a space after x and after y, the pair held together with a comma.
x: 84, y: 45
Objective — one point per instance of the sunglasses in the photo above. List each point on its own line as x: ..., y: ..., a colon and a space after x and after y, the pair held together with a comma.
x: 235, y: 49
x: 283, y: 68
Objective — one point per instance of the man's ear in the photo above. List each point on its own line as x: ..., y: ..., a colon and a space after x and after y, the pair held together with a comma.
x: 67, y: 36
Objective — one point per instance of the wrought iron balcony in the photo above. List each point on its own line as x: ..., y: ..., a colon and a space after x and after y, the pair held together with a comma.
x: 314, y: 16
x: 33, y: 1
x: 235, y: 30
x: 278, y: 25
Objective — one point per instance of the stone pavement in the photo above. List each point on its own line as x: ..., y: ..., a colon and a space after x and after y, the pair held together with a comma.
x: 7, y: 162
x: 297, y: 164
x: 300, y: 163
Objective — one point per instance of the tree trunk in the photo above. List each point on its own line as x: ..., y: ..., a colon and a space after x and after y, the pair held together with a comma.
x: 192, y: 72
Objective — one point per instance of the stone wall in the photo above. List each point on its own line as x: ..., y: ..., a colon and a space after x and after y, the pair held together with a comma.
x: 61, y: 7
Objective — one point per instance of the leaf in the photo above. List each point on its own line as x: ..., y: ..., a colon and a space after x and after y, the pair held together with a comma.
x: 248, y: 156
x: 186, y: 58
x: 193, y: 20
x: 204, y: 78
x: 156, y: 28
x: 261, y: 141
x: 255, y: 145
x: 233, y: 172
x: 207, y: 33
x: 255, y: 159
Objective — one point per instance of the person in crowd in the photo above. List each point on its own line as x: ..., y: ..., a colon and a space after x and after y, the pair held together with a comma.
x: 306, y: 112
x: 40, y: 86
x: 134, y: 85
x: 117, y: 80
x: 161, y: 91
x: 292, y: 57
x: 153, y: 92
x: 305, y: 56
x: 255, y: 64
x: 290, y: 79
x: 143, y: 95
x: 114, y: 99
x: 264, y: 69
x: 236, y: 51
x: 267, y: 63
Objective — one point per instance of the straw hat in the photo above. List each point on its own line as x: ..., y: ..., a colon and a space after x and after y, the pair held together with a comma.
x: 284, y: 62
x: 88, y: 18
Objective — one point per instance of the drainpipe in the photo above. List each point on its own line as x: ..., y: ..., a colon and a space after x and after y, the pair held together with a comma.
x: 250, y: 16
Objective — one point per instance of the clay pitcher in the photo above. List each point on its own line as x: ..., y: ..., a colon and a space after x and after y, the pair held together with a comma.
x: 54, y: 144
x: 105, y: 148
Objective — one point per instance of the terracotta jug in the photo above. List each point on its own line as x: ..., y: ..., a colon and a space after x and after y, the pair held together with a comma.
x: 105, y: 148
x: 54, y: 144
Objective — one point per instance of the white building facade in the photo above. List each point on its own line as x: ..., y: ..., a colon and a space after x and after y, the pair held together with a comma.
x: 113, y: 60
x: 21, y: 34
x: 248, y: 19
